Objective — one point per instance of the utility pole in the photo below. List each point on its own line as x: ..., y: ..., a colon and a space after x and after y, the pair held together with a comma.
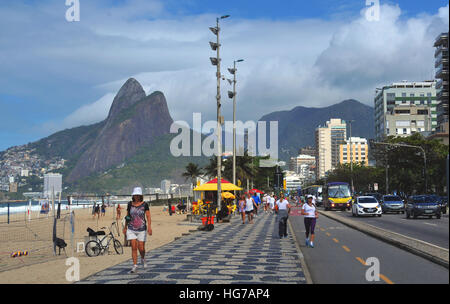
x: 233, y: 71
x: 216, y: 62
x: 351, y: 156
x: 424, y: 159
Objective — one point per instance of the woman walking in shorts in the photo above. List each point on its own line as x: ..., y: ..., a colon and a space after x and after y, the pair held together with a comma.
x: 311, y: 215
x: 138, y: 225
x: 241, y: 205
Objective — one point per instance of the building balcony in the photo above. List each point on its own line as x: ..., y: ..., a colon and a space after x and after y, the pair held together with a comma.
x: 440, y: 49
x: 442, y: 58
x: 442, y: 73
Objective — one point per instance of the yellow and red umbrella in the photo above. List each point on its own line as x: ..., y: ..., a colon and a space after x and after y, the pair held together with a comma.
x: 212, y: 186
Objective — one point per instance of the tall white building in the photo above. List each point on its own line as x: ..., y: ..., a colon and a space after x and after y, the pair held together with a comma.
x: 52, y: 184
x: 165, y: 186
x: 328, y: 140
x: 403, y: 108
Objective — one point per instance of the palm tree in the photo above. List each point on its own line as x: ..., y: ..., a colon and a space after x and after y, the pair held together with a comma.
x: 192, y: 172
x: 211, y: 168
x: 244, y: 167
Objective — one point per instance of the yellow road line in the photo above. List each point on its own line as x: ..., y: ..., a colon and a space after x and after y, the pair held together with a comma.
x: 384, y: 278
x: 346, y: 248
x: 327, y: 233
x: 361, y: 261
x: 321, y: 229
x: 335, y: 240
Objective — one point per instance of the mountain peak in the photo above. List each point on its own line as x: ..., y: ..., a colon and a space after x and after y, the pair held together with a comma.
x: 130, y: 93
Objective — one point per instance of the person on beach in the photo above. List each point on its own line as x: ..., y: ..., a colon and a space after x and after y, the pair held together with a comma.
x: 103, y: 209
x: 249, y: 207
x: 242, y: 208
x: 118, y: 212
x: 138, y: 225
x: 311, y: 215
x: 283, y: 209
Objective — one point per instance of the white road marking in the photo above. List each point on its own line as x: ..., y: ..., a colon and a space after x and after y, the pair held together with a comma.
x: 430, y: 224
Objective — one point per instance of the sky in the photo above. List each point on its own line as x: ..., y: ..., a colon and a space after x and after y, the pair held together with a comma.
x: 56, y: 74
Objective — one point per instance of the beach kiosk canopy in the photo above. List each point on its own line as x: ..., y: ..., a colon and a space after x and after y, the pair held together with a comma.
x: 212, y: 186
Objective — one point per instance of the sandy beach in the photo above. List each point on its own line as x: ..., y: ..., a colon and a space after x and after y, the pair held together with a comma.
x: 48, y: 269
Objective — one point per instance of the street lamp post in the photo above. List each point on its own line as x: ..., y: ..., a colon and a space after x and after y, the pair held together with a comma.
x: 233, y: 95
x: 351, y: 156
x: 216, y: 62
x: 416, y: 147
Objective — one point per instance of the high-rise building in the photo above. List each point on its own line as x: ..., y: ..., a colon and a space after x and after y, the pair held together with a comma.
x: 52, y: 184
x: 358, y: 153
x: 403, y: 99
x: 441, y: 65
x: 296, y: 162
x: 165, y: 186
x: 328, y: 140
x: 308, y: 150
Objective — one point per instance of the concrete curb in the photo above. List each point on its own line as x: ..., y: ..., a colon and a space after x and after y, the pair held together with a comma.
x: 306, y: 272
x: 423, y: 249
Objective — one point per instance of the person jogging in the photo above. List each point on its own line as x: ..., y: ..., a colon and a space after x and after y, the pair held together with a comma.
x: 249, y: 206
x: 138, y: 225
x: 284, y: 209
x: 311, y: 215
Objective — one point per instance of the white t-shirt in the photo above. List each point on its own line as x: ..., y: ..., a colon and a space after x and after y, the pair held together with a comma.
x: 248, y: 204
x: 311, y: 210
x: 282, y: 205
x: 271, y: 202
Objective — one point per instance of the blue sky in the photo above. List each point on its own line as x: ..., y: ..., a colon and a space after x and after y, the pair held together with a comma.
x: 56, y: 75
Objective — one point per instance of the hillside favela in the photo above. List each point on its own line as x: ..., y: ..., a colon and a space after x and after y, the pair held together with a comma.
x: 234, y: 150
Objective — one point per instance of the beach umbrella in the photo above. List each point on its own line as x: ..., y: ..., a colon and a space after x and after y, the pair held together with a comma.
x: 212, y: 186
x: 228, y: 195
x: 256, y: 191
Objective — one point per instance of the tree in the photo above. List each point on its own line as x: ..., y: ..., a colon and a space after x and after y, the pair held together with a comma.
x: 192, y: 172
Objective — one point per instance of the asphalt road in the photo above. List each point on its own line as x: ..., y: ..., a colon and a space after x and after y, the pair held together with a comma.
x: 433, y: 231
x: 340, y: 252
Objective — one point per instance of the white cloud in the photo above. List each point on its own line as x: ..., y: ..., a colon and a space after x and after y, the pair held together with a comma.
x: 310, y: 62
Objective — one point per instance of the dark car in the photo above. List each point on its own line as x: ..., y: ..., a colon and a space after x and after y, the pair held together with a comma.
x: 422, y: 205
x: 378, y: 196
x: 444, y: 204
x: 392, y: 203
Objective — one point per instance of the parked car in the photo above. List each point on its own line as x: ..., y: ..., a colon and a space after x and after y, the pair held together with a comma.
x: 392, y: 203
x: 378, y: 196
x: 422, y: 205
x: 444, y: 204
x: 366, y: 205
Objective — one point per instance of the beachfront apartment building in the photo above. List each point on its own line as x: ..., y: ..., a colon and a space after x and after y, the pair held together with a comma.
x: 442, y: 70
x: 401, y: 101
x: 357, y: 152
x: 328, y: 139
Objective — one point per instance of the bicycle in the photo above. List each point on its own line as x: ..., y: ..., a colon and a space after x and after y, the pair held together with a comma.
x: 95, y: 247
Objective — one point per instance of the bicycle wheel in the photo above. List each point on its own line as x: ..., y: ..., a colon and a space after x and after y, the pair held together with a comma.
x: 92, y: 248
x: 118, y: 247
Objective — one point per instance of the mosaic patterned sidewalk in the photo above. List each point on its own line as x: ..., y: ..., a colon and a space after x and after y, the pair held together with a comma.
x: 230, y: 254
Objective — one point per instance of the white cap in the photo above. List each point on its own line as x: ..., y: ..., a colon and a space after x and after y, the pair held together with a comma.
x: 137, y: 191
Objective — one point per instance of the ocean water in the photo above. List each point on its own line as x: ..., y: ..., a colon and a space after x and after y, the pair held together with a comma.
x: 18, y: 207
